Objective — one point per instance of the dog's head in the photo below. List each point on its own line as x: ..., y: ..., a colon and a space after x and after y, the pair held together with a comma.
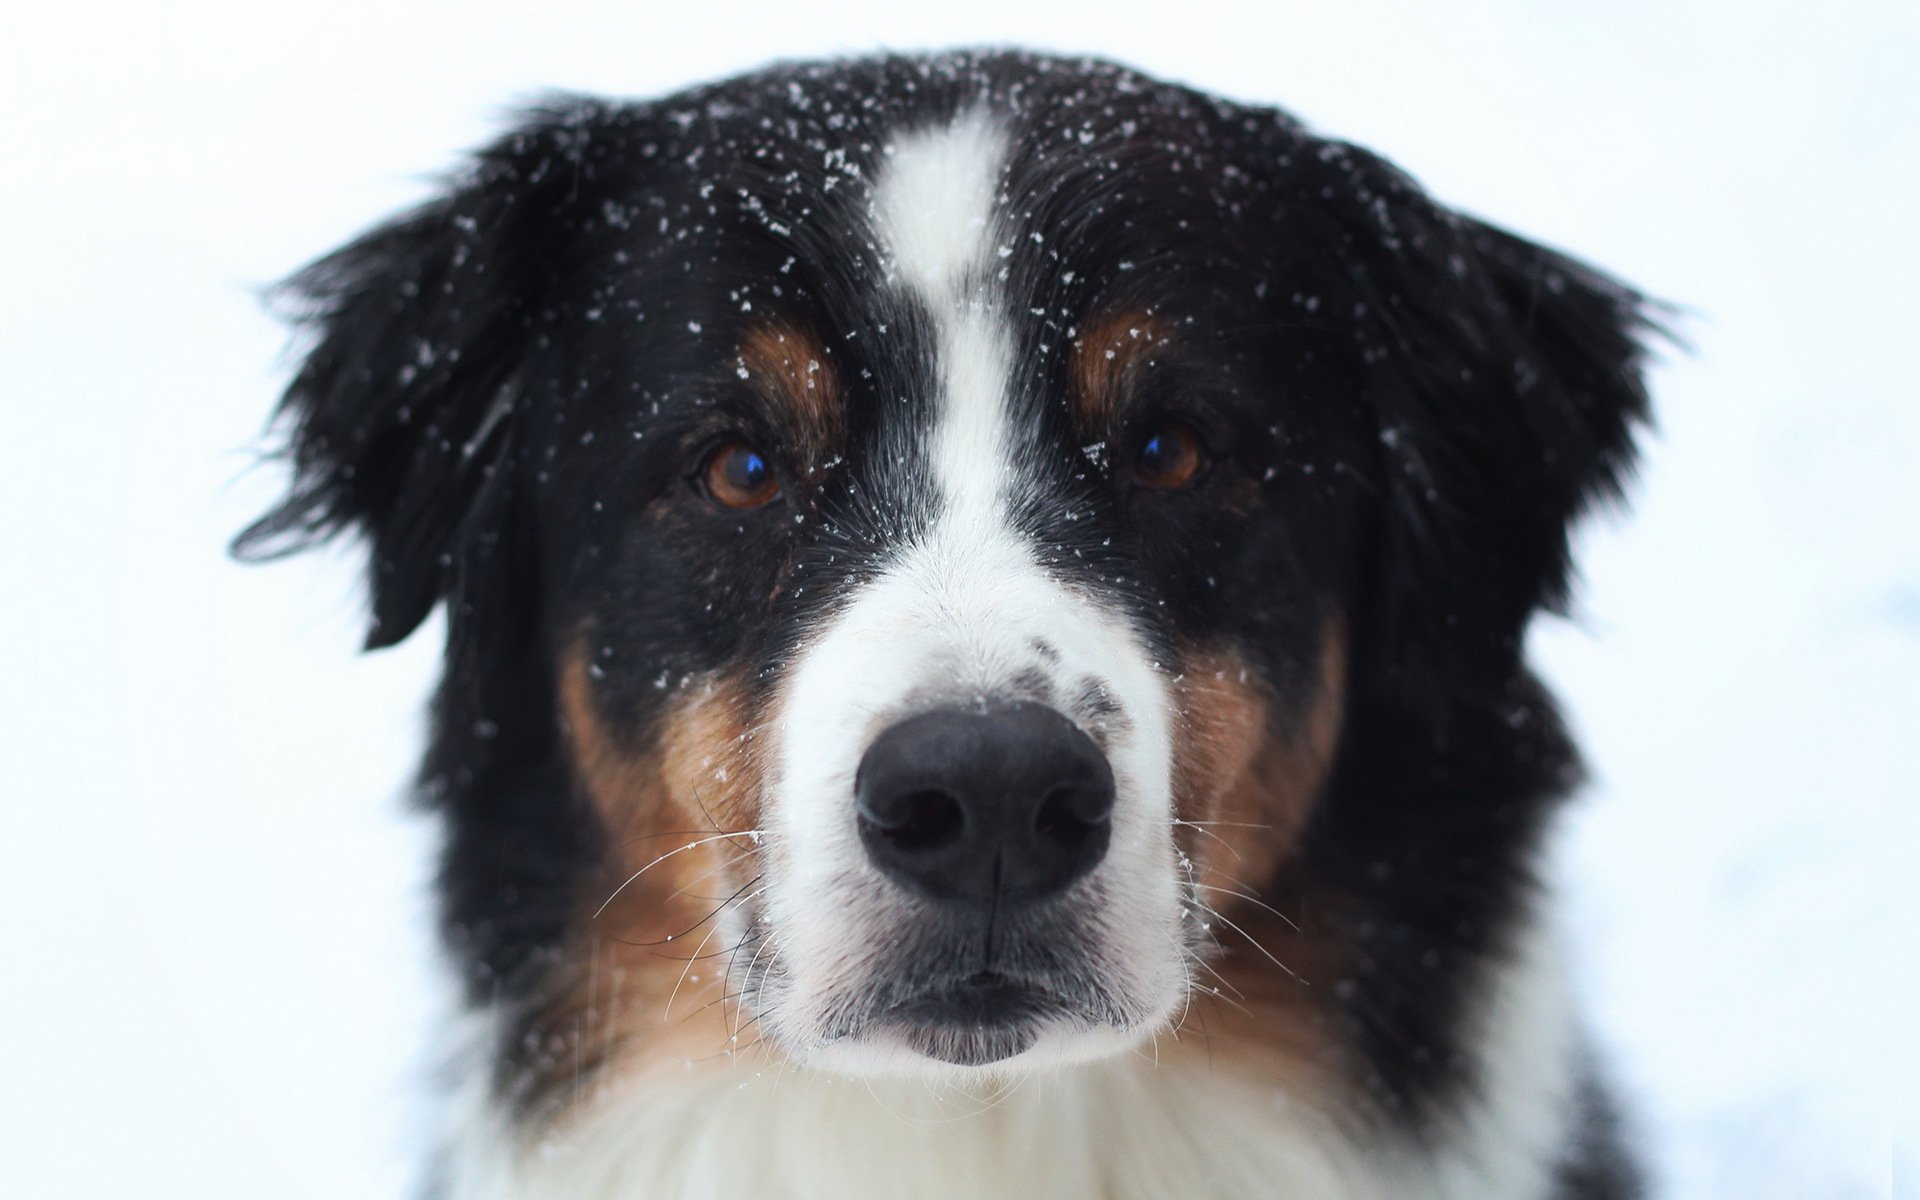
x: 921, y: 538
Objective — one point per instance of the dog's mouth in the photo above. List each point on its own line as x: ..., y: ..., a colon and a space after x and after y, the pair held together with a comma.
x: 1048, y: 989
x: 975, y: 1020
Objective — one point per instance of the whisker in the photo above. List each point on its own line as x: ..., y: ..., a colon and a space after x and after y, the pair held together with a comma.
x: 1226, y: 824
x: 702, y: 946
x: 656, y: 834
x: 732, y: 955
x: 1252, y: 941
x: 720, y: 999
x: 685, y: 889
x: 719, y: 837
x: 1214, y: 971
x: 718, y: 953
x: 1216, y: 993
x: 684, y: 933
x: 746, y: 985
x: 733, y: 1052
x: 1199, y: 1013
x: 1196, y: 827
x: 1250, y: 899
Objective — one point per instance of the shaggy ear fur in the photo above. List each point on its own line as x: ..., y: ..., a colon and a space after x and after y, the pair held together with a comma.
x: 401, y: 423
x: 1507, y: 382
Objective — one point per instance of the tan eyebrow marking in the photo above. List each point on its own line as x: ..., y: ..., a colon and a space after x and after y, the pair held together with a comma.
x: 1110, y: 353
x: 791, y: 367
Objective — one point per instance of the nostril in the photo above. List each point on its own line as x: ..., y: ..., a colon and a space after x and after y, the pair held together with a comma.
x: 919, y: 821
x: 1070, y: 815
x: 1004, y: 805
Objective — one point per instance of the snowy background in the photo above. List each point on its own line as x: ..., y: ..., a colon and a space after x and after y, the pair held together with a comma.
x: 214, y: 972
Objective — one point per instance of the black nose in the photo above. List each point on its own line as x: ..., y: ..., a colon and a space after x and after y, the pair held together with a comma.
x: 1008, y: 803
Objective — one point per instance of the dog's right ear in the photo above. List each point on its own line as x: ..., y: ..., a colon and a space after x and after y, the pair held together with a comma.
x: 401, y: 422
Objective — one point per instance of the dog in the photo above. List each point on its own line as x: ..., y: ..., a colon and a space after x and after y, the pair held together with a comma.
x: 985, y: 599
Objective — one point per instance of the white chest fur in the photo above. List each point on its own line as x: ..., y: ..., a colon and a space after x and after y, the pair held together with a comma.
x: 1128, y: 1129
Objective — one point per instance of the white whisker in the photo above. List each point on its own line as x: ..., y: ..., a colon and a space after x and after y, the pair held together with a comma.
x: 718, y: 837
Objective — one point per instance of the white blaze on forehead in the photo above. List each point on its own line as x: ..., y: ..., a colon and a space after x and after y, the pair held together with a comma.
x: 934, y: 213
x: 933, y: 208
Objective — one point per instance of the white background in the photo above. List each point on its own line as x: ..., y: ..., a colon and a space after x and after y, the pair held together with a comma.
x: 215, y: 976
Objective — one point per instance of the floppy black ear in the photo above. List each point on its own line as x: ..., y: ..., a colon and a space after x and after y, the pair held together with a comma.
x: 1507, y: 382
x: 401, y: 421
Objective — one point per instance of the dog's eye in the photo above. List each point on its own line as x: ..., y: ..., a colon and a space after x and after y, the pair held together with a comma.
x: 737, y: 475
x: 1171, y: 457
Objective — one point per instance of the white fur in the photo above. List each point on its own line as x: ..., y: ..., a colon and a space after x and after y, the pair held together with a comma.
x: 953, y: 619
x: 933, y: 208
x: 1123, y: 1129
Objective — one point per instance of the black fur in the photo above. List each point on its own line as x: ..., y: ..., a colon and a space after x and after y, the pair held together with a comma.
x: 509, y: 387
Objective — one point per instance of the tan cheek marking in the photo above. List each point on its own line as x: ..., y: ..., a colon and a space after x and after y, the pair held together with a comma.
x: 646, y: 934
x: 792, y: 369
x: 1247, y: 783
x: 1110, y: 353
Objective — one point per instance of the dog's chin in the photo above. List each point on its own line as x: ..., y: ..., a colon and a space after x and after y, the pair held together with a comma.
x: 982, y: 1029
x: 976, y: 1022
x: 949, y: 1054
x: 979, y: 1046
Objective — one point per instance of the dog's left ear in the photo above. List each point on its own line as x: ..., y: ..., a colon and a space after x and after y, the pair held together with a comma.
x: 1506, y: 380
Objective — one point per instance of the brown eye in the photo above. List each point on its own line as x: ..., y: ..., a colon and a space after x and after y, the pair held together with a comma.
x: 1172, y: 457
x: 739, y: 476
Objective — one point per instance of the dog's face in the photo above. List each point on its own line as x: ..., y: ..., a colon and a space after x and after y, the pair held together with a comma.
x: 965, y: 563
x: 918, y: 537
